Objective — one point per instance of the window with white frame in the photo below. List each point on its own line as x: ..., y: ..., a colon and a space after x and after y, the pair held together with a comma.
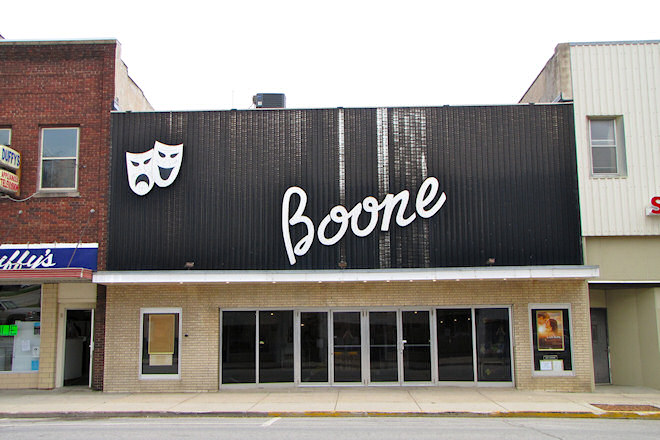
x: 5, y: 136
x: 160, y: 340
x: 551, y: 340
x: 607, y: 147
x: 59, y: 158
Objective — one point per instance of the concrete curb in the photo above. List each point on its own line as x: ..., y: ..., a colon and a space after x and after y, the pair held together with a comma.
x: 86, y: 415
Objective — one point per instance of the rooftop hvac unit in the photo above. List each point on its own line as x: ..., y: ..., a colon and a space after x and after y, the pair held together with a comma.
x: 269, y: 100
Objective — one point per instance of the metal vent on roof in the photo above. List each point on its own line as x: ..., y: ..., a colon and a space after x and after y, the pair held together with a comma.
x: 269, y: 100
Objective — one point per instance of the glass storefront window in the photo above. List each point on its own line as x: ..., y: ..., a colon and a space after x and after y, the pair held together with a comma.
x: 239, y: 361
x: 455, y: 350
x: 493, y: 345
x: 314, y: 346
x: 383, y: 347
x: 370, y: 346
x: 20, y: 328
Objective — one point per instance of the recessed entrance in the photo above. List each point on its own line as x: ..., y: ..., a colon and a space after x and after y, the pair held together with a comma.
x: 77, y: 347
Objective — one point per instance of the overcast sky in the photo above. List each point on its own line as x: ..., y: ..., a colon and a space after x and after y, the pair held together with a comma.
x: 204, y: 55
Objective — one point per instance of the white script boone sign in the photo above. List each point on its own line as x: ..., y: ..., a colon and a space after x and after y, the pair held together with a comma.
x: 340, y: 215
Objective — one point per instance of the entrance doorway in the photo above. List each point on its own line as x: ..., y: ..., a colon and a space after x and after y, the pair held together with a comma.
x: 416, y: 345
x: 77, y: 347
x: 395, y: 346
x: 600, y: 345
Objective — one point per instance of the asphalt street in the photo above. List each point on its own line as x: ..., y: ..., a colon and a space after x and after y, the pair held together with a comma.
x: 322, y: 428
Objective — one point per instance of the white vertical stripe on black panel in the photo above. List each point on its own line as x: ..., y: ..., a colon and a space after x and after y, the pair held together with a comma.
x: 298, y: 137
x: 422, y: 150
x: 409, y: 146
x: 383, y: 182
x: 396, y: 149
x: 342, y: 175
x: 342, y: 158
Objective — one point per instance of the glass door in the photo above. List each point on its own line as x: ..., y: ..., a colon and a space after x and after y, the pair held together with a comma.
x: 416, y: 345
x: 314, y: 347
x: 276, y: 346
x: 347, y: 347
x: 493, y: 345
x: 383, y: 352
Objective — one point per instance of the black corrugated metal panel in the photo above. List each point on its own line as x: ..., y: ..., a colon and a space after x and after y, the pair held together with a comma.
x: 509, y: 173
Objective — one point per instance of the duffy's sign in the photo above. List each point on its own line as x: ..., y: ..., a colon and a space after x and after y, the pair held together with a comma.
x: 9, y: 182
x: 343, y: 217
x: 10, y: 159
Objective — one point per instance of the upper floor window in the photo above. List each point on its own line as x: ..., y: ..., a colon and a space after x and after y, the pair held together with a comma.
x: 59, y: 158
x: 608, y: 156
x: 5, y: 136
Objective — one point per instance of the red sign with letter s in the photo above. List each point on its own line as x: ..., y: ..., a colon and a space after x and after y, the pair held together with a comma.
x: 655, y: 201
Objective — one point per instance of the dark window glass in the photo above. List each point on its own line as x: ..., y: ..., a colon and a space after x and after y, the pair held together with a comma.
x: 5, y: 136
x: 314, y: 346
x: 60, y: 142
x: 238, y: 347
x: 493, y: 345
x: 276, y: 346
x: 455, y: 352
x: 383, y: 347
x: 59, y: 157
x: 58, y: 173
x: 347, y: 346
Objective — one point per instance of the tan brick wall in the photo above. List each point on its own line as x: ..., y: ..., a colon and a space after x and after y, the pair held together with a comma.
x: 15, y: 381
x: 48, y: 350
x: 200, y: 321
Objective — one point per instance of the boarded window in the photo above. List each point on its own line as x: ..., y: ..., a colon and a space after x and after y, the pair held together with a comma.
x: 160, y: 343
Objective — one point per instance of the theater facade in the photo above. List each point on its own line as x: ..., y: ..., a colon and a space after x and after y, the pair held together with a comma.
x: 346, y: 247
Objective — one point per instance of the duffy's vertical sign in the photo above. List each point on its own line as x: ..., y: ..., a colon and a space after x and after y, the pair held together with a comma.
x: 10, y: 164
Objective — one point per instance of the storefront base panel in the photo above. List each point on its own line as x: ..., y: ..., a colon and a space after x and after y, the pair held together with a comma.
x: 198, y: 306
x: 19, y: 381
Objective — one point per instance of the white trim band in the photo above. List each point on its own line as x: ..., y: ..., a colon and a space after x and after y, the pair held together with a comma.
x: 349, y: 275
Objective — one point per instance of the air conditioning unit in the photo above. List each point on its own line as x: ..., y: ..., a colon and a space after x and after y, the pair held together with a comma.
x: 269, y: 100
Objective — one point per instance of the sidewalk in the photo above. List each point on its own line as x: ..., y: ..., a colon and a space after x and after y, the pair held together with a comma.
x: 628, y: 402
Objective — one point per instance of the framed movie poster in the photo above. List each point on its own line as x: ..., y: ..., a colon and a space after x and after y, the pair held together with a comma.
x: 550, y: 330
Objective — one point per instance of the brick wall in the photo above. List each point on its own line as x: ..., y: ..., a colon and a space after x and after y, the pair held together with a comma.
x: 200, y: 321
x: 99, y: 339
x: 45, y: 85
x: 48, y: 350
x: 50, y: 85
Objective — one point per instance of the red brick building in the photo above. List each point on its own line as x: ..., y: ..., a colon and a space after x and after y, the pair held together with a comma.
x: 55, y: 104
